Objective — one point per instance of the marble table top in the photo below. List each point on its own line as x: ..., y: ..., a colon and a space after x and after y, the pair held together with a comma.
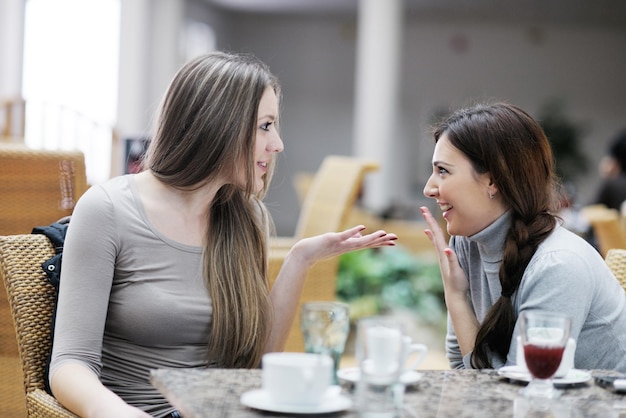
x: 200, y: 393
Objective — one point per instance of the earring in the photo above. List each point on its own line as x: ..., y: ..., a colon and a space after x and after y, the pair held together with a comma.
x: 490, y: 195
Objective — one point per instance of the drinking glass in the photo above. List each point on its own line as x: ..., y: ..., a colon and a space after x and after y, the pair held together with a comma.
x: 544, y: 338
x: 325, y: 327
x: 380, y: 351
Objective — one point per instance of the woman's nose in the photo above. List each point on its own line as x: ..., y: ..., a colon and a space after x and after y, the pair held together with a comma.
x: 276, y: 145
x: 430, y: 190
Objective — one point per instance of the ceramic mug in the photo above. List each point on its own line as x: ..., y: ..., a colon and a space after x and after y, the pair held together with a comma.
x: 385, y: 347
x: 414, y: 354
x: 296, y: 378
x: 567, y: 362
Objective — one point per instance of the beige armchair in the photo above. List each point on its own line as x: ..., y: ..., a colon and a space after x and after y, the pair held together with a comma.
x: 326, y: 208
x: 607, y: 226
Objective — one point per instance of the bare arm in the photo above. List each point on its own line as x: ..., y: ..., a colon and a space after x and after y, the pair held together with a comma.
x: 456, y: 286
x: 287, y: 289
x: 80, y: 391
x: 82, y: 309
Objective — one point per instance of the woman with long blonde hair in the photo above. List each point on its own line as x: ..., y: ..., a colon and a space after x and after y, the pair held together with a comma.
x: 167, y: 268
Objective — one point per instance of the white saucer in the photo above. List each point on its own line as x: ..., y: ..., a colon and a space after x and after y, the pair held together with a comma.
x: 332, y: 402
x: 352, y: 375
x: 572, y: 377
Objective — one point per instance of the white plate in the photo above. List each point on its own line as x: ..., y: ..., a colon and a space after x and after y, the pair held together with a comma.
x: 332, y: 402
x: 352, y: 375
x: 572, y: 377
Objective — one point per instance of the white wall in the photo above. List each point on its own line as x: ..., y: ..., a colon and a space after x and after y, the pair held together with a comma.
x: 446, y: 64
x: 149, y: 57
x: 524, y: 65
x: 11, y: 45
x: 315, y: 57
x: 314, y: 60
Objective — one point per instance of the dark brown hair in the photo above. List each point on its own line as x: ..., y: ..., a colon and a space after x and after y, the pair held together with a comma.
x: 506, y: 142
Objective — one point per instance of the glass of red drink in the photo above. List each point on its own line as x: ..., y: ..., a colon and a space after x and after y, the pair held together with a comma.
x: 544, y: 337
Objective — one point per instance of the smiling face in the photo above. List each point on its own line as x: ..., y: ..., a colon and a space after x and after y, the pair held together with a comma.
x: 461, y: 192
x: 267, y: 140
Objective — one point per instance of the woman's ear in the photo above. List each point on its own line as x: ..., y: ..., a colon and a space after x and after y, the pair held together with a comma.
x: 492, y: 189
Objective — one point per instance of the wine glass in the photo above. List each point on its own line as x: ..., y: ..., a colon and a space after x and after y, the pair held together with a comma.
x: 544, y: 338
x: 325, y: 327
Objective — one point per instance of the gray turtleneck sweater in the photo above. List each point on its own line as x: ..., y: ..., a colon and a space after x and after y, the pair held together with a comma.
x: 565, y: 274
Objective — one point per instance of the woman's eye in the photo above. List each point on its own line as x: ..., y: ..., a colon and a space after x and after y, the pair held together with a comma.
x: 441, y: 170
x: 266, y: 126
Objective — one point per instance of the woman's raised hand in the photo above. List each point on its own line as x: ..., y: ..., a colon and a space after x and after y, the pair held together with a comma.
x: 455, y: 285
x: 454, y: 279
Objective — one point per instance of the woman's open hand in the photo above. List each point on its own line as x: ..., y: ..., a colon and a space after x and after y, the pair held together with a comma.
x: 314, y: 249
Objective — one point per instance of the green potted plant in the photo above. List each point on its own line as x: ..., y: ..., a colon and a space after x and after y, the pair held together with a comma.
x: 376, y: 281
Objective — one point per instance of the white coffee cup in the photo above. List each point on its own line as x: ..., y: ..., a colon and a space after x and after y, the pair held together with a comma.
x: 384, y: 346
x: 296, y: 378
x: 414, y: 354
x: 567, y: 362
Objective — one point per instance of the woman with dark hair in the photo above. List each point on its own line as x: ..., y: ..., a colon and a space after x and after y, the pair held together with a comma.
x: 493, y: 178
x: 167, y: 268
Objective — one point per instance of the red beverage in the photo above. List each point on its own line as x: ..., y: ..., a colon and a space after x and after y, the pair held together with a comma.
x: 543, y: 362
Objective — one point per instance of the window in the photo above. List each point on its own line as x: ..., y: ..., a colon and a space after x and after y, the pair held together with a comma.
x: 70, y: 83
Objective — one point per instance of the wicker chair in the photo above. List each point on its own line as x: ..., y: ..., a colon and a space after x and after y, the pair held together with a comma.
x: 38, y: 187
x: 326, y: 208
x: 616, y: 260
x: 31, y: 299
x: 410, y: 232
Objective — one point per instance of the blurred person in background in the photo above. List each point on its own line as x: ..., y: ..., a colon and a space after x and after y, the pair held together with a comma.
x: 612, y: 170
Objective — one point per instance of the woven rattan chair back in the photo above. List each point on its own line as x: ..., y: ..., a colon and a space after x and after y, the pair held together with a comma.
x: 616, y: 260
x: 38, y: 187
x: 332, y: 194
x: 329, y: 201
x: 31, y: 300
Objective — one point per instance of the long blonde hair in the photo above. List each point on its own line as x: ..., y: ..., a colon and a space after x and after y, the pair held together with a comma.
x: 206, y: 126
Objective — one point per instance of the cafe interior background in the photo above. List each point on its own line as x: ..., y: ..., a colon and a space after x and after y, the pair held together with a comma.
x: 359, y: 77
